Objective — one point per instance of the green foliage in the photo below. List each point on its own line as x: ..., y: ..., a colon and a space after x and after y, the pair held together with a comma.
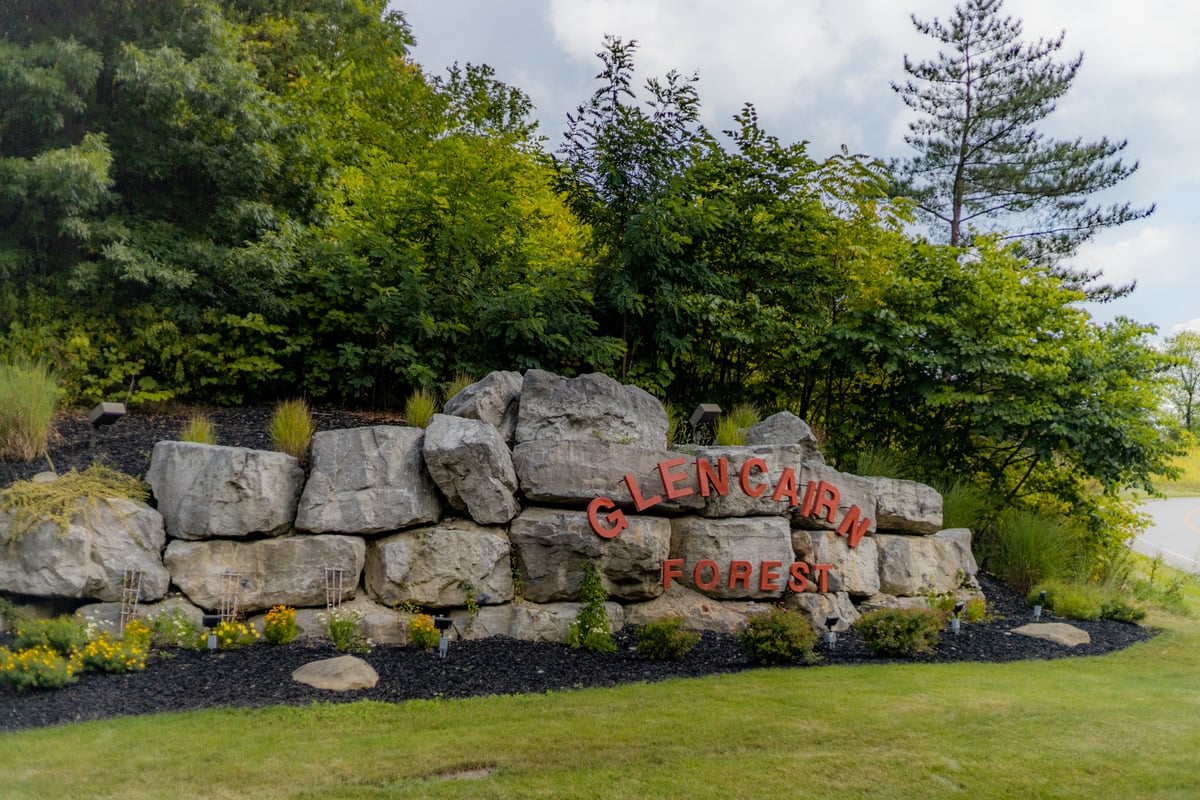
x: 1028, y: 547
x: 590, y: 629
x: 1086, y: 601
x: 1182, y: 387
x: 29, y: 397
x: 62, y: 634
x: 292, y: 428
x: 174, y: 629
x: 974, y: 608
x: 198, y: 429
x: 885, y: 463
x: 57, y: 502
x: 729, y: 433
x: 115, y: 656
x: 964, y: 504
x: 900, y: 632
x: 345, y: 631
x: 778, y: 636
x: 420, y: 407
x: 677, y: 425
x: 38, y: 667
x: 422, y: 634
x: 665, y: 638
x: 981, y: 163
x: 279, y: 625
x: 458, y: 383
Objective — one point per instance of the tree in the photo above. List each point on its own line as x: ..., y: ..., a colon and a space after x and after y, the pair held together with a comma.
x: 1183, y: 386
x: 982, y: 164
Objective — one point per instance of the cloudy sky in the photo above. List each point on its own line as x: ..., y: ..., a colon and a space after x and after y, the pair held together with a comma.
x: 820, y: 71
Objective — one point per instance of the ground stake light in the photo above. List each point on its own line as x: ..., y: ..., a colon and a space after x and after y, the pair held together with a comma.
x: 831, y: 634
x: 1037, y: 609
x: 443, y: 625
x: 956, y: 623
x: 211, y: 621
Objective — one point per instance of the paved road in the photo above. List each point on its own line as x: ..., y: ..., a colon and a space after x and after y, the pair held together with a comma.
x: 1175, y: 532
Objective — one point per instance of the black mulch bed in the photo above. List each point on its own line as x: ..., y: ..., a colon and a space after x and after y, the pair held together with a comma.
x: 260, y: 675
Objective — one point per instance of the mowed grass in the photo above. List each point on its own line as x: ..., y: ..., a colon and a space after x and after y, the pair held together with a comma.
x: 1117, y: 726
x: 1188, y: 483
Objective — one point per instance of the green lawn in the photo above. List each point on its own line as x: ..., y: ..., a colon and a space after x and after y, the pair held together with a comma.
x: 1188, y: 483
x: 1119, y: 726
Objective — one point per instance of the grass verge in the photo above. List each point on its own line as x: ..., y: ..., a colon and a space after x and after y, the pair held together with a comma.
x: 1116, y: 726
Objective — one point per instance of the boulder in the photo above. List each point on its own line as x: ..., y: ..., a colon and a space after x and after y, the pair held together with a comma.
x: 820, y: 608
x: 380, y: 624
x: 530, y: 622
x: 368, y: 480
x: 205, y: 491
x: 786, y: 428
x: 340, y: 674
x: 288, y: 571
x: 107, y: 616
x: 855, y: 570
x: 494, y: 400
x: 783, y: 473
x: 552, y: 546
x: 906, y: 507
x: 591, y: 407
x: 910, y: 565
x: 576, y: 472
x: 1057, y: 632
x: 752, y: 540
x: 699, y: 613
x: 440, y: 566
x: 852, y: 492
x: 89, y: 557
x: 470, y: 462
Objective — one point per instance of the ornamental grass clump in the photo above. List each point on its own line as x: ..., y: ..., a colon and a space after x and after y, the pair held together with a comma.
x: 422, y: 633
x: 292, y: 428
x: 279, y: 625
x: 901, y: 632
x: 198, y: 429
x: 590, y: 629
x: 665, y: 639
x: 29, y: 395
x: 778, y: 636
x: 420, y: 407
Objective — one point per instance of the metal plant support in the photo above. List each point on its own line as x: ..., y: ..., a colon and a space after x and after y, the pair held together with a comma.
x: 231, y: 584
x: 335, y: 582
x: 131, y: 591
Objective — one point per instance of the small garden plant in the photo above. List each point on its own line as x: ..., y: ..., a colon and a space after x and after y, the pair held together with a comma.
x: 590, y: 629
x: 53, y: 653
x: 665, y: 638
x: 199, y: 429
x: 292, y: 428
x: 901, y: 632
x: 29, y: 395
x: 232, y: 634
x: 345, y: 631
x: 420, y: 407
x: 778, y: 636
x: 422, y: 634
x: 279, y: 625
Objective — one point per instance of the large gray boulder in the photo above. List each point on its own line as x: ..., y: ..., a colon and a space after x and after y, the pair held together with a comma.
x: 368, y: 480
x: 786, y: 428
x: 699, y: 613
x: 906, y: 506
x: 591, y: 407
x: 820, y: 608
x: 912, y: 565
x: 338, y: 674
x: 470, y: 462
x: 89, y: 557
x: 441, y: 566
x: 494, y: 400
x: 831, y: 511
x: 724, y: 541
x: 783, y: 472
x: 576, y: 472
x: 205, y: 491
x: 288, y: 571
x: 552, y: 546
x: 855, y: 570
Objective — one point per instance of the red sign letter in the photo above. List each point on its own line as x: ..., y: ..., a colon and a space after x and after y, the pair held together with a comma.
x: 823, y: 575
x: 707, y: 480
x: 740, y: 572
x: 768, y: 578
x: 786, y: 487
x: 798, y: 583
x: 669, y: 479
x: 672, y: 568
x: 639, y: 503
x: 828, y: 498
x: 753, y: 491
x: 706, y: 585
x: 615, y: 518
x: 852, y: 526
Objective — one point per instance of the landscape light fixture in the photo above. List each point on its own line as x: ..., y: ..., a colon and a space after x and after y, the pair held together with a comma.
x: 831, y: 634
x: 103, y: 414
x: 443, y: 625
x: 956, y: 623
x: 1037, y: 609
x: 211, y: 621
x: 705, y: 414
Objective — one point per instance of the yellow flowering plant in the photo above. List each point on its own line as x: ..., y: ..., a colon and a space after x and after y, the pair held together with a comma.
x: 231, y: 635
x: 39, y: 667
x: 422, y: 633
x: 279, y: 626
x: 108, y: 654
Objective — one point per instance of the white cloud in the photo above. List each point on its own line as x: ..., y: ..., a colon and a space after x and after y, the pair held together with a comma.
x: 1190, y: 325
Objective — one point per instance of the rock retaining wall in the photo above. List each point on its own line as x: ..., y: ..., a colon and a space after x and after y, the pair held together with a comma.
x: 490, y: 514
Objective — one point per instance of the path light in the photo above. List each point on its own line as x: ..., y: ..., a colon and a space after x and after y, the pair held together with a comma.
x: 103, y: 414
x: 705, y: 414
x: 211, y: 621
x: 956, y: 623
x: 1037, y: 609
x: 443, y: 625
x: 831, y: 634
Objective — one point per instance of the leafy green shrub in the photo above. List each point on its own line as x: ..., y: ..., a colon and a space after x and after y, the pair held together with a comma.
x: 62, y: 634
x: 974, y: 608
x: 1122, y: 608
x: 1071, y: 600
x: 29, y: 397
x: 778, y: 636
x: 665, y: 638
x: 1028, y: 547
x: 292, y: 428
x: 902, y: 632
x: 590, y: 629
x: 345, y: 631
x: 199, y: 429
x: 35, y: 668
x: 420, y: 407
x: 422, y: 634
x: 279, y: 625
x: 107, y: 654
